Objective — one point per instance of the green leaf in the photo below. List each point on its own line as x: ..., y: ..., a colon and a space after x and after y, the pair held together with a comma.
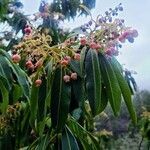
x: 60, y: 100
x: 43, y: 142
x: 22, y: 80
x: 6, y: 72
x: 49, y: 69
x: 104, y: 99
x: 5, y: 97
x: 82, y: 59
x: 19, y: 73
x: 77, y: 93
x: 5, y: 82
x: 68, y: 140
x: 111, y: 84
x: 34, y: 103
x: 17, y: 92
x: 126, y: 93
x: 26, y: 116
x: 42, y: 107
x: 75, y: 66
x: 87, y: 140
x: 93, y: 81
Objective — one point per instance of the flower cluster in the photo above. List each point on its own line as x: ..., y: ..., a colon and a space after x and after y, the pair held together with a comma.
x: 106, y: 18
x: 105, y: 35
x: 35, y: 50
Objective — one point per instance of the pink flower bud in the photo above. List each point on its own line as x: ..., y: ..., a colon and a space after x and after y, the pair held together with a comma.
x: 66, y: 78
x: 64, y: 62
x: 38, y: 82
x: 98, y: 46
x: 16, y: 58
x: 121, y: 38
x: 74, y: 76
x: 28, y: 30
x: 77, y: 56
x: 93, y: 45
x: 83, y: 41
x: 68, y: 58
x: 29, y: 64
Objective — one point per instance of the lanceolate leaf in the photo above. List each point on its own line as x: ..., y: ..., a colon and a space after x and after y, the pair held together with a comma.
x: 104, y: 99
x: 42, y: 106
x: 77, y: 93
x: 19, y: 73
x: 87, y: 140
x: 49, y: 70
x: 34, y: 103
x: 93, y: 81
x: 82, y: 59
x: 5, y: 97
x: 68, y: 140
x: 22, y: 79
x: 5, y: 82
x: 41, y: 100
x: 126, y: 93
x: 5, y: 71
x: 60, y: 100
x: 17, y: 92
x: 111, y: 83
x: 75, y: 66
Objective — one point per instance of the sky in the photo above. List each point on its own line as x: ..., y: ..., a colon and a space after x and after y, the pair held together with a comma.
x: 135, y: 56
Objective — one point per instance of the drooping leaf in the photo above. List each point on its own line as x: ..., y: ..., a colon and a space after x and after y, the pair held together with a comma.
x: 68, y: 140
x: 34, y: 103
x: 49, y: 70
x: 75, y: 66
x: 43, y: 142
x: 5, y: 82
x: 93, y: 81
x: 82, y: 59
x: 60, y: 100
x: 5, y: 97
x: 111, y: 84
x: 17, y: 92
x: 126, y: 93
x: 87, y: 140
x: 6, y: 72
x: 19, y: 73
x: 77, y: 93
x: 42, y: 108
x: 104, y: 99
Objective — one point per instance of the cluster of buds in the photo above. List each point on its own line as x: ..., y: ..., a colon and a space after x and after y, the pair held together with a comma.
x: 73, y: 76
x: 103, y: 19
x: 129, y: 34
x: 31, y: 66
x: 65, y: 61
x: 106, y: 34
x: 91, y: 44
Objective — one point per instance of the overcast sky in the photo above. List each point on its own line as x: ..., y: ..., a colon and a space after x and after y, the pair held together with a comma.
x: 137, y: 15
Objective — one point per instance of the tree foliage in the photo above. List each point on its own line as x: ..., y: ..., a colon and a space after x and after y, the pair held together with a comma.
x: 54, y: 84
